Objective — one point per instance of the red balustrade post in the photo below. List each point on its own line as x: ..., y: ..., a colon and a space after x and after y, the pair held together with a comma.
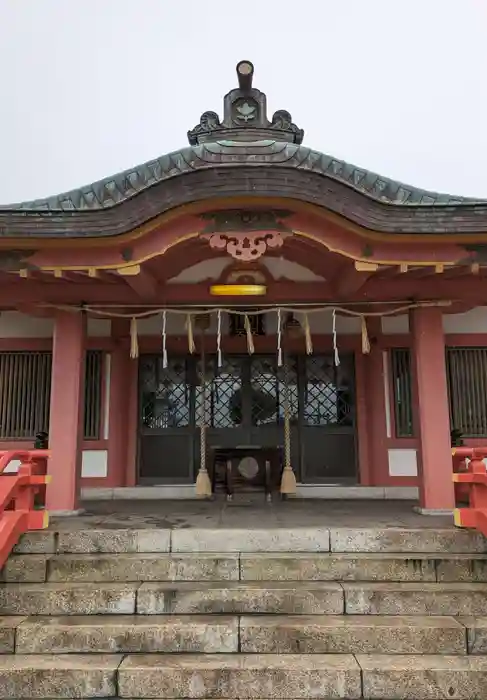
x: 474, y: 482
x: 18, y: 513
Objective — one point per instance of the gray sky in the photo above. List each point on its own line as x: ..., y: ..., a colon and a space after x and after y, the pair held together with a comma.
x: 91, y: 88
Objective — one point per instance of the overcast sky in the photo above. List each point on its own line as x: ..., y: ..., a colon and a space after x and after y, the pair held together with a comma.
x: 94, y: 87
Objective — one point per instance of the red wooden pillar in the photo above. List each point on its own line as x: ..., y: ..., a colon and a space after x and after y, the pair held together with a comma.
x: 66, y: 412
x: 433, y: 420
x: 375, y: 398
x: 363, y: 434
x: 118, y: 407
x: 133, y: 416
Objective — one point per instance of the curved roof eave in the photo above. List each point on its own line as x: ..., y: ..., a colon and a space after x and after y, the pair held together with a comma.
x: 114, y: 191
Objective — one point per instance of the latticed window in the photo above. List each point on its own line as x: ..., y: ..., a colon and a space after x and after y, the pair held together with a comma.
x: 25, y: 388
x: 165, y: 393
x: 246, y: 392
x: 223, y: 392
x: 93, y: 392
x: 402, y: 392
x: 467, y: 390
x: 268, y: 391
x: 25, y: 394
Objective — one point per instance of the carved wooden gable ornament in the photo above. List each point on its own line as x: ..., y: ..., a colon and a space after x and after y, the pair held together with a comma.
x: 245, y: 235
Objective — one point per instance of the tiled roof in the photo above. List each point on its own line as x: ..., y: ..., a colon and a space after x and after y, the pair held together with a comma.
x: 114, y: 190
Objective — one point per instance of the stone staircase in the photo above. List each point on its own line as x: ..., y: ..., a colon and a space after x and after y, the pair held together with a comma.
x: 196, y: 614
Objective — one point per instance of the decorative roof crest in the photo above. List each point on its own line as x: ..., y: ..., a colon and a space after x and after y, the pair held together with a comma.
x: 245, y: 117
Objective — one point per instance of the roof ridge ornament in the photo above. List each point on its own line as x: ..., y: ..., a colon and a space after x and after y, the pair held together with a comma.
x: 245, y: 117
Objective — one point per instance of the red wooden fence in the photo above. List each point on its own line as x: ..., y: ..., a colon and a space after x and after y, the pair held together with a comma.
x: 19, y: 512
x: 471, y: 474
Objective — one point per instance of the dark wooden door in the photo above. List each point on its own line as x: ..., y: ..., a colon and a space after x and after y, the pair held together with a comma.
x: 327, y: 420
x: 245, y: 406
x: 166, y: 420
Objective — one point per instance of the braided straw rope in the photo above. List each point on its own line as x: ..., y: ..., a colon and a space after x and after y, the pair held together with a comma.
x: 397, y: 307
x: 203, y: 484
x: 287, y: 418
x: 288, y: 478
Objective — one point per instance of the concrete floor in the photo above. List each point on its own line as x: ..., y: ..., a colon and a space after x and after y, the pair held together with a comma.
x: 250, y: 513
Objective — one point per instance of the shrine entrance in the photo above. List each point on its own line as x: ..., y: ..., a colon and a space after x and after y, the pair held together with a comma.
x: 244, y: 409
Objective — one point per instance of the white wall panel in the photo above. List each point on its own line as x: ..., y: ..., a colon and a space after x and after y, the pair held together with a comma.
x: 16, y: 325
x: 474, y: 321
x: 403, y: 462
x: 392, y: 325
x: 94, y: 464
x: 99, y: 327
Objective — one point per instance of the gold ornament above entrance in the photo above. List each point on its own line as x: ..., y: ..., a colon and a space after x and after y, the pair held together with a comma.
x: 245, y: 234
x: 240, y: 290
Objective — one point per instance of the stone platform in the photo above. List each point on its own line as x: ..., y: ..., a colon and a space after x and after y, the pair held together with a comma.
x: 251, y: 512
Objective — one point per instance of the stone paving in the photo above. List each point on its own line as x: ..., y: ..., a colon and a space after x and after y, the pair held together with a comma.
x: 250, y: 513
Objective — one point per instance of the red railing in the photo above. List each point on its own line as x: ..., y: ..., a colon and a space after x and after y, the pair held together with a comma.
x: 470, y: 474
x: 19, y: 511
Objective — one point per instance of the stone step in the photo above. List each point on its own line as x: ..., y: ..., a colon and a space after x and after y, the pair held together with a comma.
x: 68, y: 599
x: 232, y: 540
x: 469, y: 599
x: 64, y: 676
x: 364, y: 567
x: 412, y: 540
x: 271, y: 634
x: 137, y: 567
x: 275, y: 677
x: 312, y: 598
x: 240, y: 676
x: 419, y: 677
x: 79, y: 540
x: 349, y: 634
x: 315, y: 597
x: 142, y: 567
x: 127, y: 633
x: 235, y: 597
x: 303, y: 676
x: 25, y: 568
x: 231, y: 597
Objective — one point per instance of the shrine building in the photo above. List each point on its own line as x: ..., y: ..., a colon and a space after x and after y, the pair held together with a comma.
x: 245, y: 314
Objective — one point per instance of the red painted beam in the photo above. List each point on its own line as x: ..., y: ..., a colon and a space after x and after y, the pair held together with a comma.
x: 349, y: 281
x: 473, y: 290
x: 143, y: 284
x: 169, y: 294
x: 33, y: 310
